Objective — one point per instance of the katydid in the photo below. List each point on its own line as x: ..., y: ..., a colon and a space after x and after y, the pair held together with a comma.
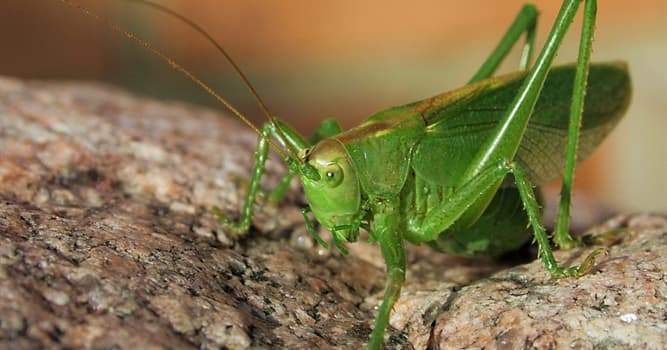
x: 455, y: 171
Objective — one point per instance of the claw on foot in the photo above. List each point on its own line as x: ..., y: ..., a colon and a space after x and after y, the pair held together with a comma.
x: 217, y: 212
x: 589, y: 262
x: 584, y: 268
x: 608, y: 238
x: 227, y: 222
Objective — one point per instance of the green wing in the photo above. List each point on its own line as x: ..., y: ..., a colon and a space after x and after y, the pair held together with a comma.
x: 460, y: 121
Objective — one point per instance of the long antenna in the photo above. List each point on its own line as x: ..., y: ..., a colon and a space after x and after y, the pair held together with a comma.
x: 237, y: 69
x: 182, y: 69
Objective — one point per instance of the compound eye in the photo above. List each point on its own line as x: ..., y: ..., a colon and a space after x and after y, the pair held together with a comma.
x: 333, y: 175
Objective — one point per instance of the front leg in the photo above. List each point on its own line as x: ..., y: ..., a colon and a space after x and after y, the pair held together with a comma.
x: 261, y: 153
x: 328, y: 128
x: 385, y: 224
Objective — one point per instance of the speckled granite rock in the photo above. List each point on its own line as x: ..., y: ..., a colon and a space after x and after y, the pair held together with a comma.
x: 106, y: 241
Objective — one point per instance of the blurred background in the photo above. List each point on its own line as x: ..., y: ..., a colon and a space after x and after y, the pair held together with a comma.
x: 313, y: 60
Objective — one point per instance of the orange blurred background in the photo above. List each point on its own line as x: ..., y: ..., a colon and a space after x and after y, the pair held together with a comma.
x: 312, y: 60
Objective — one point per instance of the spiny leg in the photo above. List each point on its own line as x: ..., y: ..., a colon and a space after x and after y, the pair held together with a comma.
x: 261, y: 153
x: 525, y: 21
x: 385, y: 225
x: 442, y: 217
x: 506, y: 137
x: 562, y: 237
x: 544, y: 249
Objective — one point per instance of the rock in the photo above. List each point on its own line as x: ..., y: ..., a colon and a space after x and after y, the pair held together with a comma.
x: 107, y: 240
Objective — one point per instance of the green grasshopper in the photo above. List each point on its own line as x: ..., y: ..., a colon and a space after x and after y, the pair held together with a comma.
x: 455, y: 171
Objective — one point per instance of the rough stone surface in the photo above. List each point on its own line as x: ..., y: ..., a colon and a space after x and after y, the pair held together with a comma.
x: 106, y: 241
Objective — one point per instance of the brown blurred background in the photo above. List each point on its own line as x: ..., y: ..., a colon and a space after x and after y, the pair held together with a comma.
x: 347, y: 59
